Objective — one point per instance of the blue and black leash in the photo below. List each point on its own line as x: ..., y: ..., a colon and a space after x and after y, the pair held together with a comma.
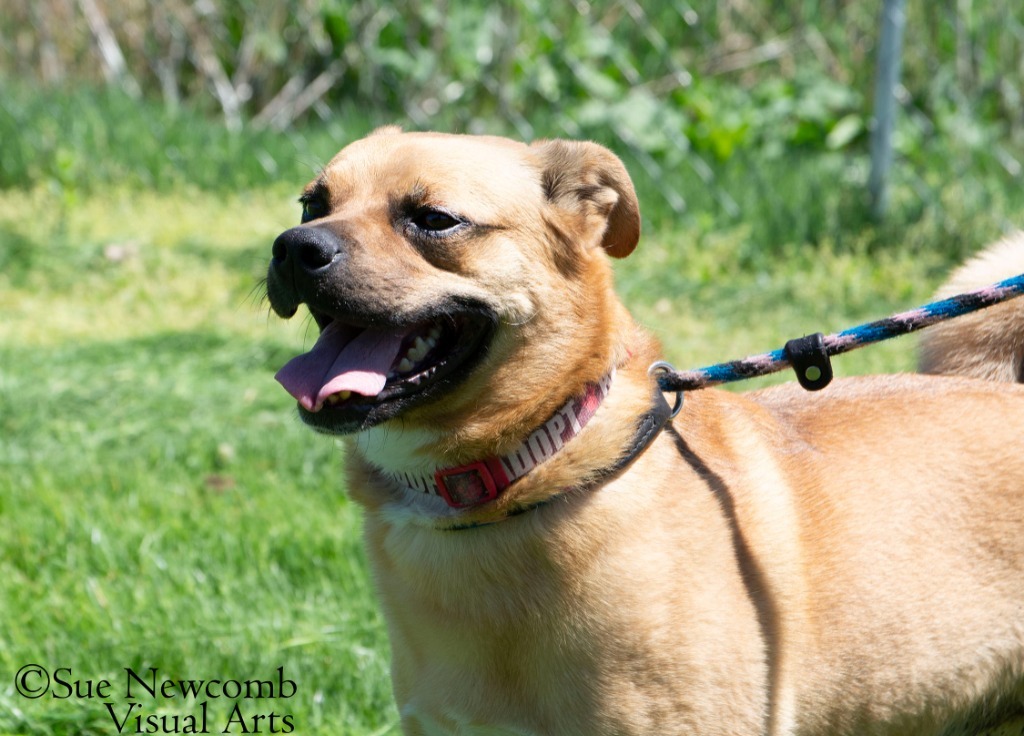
x: 809, y: 356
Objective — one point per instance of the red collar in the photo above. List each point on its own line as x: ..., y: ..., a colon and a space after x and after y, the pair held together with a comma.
x: 473, y: 484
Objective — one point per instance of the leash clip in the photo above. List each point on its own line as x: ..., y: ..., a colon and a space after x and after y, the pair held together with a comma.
x: 809, y: 359
x: 663, y: 366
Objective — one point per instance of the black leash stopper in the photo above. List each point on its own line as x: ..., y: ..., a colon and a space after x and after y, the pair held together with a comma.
x: 810, y: 360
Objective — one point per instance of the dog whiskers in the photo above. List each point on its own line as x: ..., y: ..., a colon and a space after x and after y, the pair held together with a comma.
x: 258, y: 293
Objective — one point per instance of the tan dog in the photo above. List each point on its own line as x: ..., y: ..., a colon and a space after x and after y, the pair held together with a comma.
x: 551, y: 560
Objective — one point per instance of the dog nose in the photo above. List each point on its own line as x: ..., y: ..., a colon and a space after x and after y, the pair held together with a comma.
x: 302, y: 258
x: 312, y: 249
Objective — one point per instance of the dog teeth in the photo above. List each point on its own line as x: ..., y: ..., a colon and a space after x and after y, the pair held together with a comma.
x: 418, y: 350
x: 337, y: 398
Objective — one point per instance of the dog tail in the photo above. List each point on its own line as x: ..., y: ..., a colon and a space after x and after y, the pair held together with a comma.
x: 988, y: 344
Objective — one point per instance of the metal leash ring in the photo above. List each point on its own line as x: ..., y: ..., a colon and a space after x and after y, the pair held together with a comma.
x: 662, y: 366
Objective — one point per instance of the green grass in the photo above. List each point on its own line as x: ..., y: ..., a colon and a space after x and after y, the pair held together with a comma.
x: 161, y: 506
x: 81, y: 139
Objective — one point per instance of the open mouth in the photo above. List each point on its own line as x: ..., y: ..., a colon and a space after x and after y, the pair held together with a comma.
x: 357, y: 376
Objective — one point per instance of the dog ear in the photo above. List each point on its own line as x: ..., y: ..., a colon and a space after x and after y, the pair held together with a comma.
x: 591, y: 181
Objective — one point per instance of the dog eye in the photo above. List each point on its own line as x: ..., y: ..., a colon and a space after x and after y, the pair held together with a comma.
x: 313, y: 208
x: 435, y: 221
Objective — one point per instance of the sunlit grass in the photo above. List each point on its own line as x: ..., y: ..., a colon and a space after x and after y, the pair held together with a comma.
x: 135, y: 264
x: 162, y: 506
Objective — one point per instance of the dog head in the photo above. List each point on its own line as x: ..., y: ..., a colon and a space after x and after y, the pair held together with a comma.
x: 454, y: 279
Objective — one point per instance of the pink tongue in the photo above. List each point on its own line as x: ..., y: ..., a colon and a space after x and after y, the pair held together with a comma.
x: 343, y: 359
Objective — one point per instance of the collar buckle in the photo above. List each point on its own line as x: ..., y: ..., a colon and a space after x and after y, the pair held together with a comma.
x: 466, y: 485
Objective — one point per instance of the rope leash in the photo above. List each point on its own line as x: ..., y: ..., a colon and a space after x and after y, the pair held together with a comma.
x: 809, y: 356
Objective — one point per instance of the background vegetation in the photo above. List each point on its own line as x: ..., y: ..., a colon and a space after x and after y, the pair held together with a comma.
x: 159, y: 504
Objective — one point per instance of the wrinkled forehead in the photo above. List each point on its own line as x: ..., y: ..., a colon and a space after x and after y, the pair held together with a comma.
x: 446, y: 170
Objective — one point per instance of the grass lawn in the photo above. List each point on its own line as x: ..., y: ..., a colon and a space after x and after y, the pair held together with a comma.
x: 161, y: 506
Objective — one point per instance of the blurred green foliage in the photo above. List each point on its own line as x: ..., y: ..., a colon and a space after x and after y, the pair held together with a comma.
x: 86, y: 137
x: 705, y: 76
x: 741, y: 112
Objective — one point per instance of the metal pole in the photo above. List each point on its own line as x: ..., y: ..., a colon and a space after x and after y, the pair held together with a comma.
x: 890, y: 49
